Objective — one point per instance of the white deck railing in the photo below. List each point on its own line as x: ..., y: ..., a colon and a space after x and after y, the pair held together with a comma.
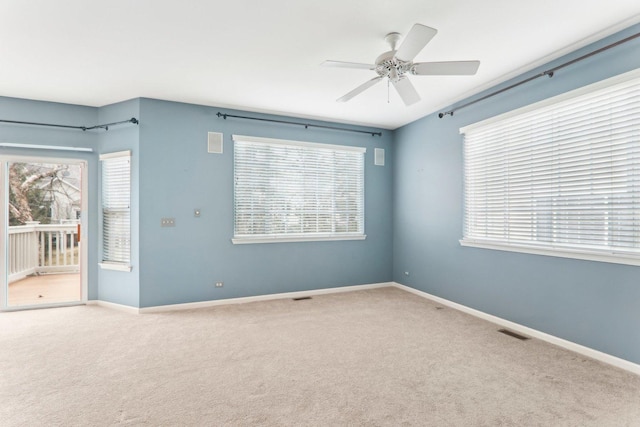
x: 43, y: 248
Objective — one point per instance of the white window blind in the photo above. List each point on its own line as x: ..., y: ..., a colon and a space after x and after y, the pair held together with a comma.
x: 116, y: 210
x: 562, y: 176
x: 291, y: 190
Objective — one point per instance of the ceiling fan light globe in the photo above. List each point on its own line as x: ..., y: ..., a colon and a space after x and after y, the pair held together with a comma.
x: 393, y: 75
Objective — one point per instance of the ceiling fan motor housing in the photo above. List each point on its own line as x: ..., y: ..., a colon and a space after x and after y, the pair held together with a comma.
x: 387, y: 65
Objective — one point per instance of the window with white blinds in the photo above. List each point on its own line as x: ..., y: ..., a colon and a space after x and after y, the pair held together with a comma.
x: 561, y: 177
x: 297, y: 191
x: 116, y: 209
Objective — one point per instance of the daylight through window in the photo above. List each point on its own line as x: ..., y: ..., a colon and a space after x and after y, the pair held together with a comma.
x: 116, y: 210
x: 293, y: 191
x: 561, y: 177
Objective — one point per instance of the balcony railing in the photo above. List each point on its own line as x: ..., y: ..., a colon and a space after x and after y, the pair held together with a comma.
x: 37, y: 248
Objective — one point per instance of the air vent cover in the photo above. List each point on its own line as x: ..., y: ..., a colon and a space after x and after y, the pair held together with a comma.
x: 513, y: 334
x: 379, y: 157
x: 214, y: 142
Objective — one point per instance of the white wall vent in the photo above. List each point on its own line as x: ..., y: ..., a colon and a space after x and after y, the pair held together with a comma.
x: 214, y: 144
x: 378, y: 157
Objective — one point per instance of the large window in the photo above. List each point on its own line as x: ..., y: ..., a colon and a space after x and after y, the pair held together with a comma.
x: 561, y: 177
x: 116, y: 210
x: 295, y: 191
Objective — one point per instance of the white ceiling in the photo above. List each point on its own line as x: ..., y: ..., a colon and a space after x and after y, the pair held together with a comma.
x: 264, y: 55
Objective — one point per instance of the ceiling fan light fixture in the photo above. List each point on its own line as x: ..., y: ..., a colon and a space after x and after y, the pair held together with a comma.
x: 394, y: 64
x: 393, y: 74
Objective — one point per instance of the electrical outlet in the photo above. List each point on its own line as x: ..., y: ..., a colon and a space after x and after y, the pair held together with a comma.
x: 219, y: 284
x: 167, y: 222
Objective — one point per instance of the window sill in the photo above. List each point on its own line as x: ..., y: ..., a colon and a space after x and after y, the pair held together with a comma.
x: 115, y: 266
x: 613, y: 257
x: 262, y: 239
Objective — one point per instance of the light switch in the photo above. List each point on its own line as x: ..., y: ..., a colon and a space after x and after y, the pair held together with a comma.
x: 167, y: 222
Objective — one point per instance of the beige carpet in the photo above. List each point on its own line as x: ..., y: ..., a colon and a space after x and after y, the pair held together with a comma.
x: 378, y: 357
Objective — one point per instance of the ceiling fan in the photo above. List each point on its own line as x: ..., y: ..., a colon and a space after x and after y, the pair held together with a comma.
x: 395, y: 65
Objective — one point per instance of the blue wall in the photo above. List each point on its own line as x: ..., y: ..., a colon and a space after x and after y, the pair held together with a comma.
x: 122, y: 287
x: 590, y: 303
x: 172, y: 174
x: 177, y: 175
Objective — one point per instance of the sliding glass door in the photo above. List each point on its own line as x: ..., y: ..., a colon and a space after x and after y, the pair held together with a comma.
x: 44, y: 248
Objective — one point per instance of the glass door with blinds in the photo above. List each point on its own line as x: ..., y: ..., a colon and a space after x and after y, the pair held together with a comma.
x: 44, y: 244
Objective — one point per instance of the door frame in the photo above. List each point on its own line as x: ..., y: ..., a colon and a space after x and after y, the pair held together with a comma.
x: 5, y: 159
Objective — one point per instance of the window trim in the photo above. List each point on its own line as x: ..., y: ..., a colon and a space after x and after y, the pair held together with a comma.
x: 289, y: 142
x: 613, y: 257
x: 295, y: 238
x: 300, y: 237
x: 548, y: 249
x: 115, y: 266
x: 108, y: 264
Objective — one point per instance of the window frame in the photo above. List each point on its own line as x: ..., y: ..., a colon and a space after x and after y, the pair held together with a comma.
x: 611, y: 254
x: 302, y: 236
x: 123, y: 263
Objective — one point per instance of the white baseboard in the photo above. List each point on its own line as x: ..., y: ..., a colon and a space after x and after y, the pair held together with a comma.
x: 298, y: 294
x: 114, y: 306
x: 577, y: 348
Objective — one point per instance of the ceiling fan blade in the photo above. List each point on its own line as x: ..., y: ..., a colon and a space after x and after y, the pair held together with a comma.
x: 416, y: 40
x: 360, y: 89
x: 342, y: 64
x: 406, y: 91
x: 450, y: 68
